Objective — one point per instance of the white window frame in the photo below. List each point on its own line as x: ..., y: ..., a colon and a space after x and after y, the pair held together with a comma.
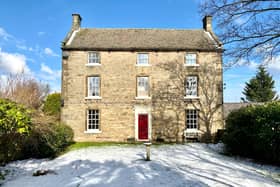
x: 191, y: 89
x: 191, y: 59
x: 93, y: 87
x: 93, y: 59
x: 143, y: 86
x: 93, y: 121
x: 192, y: 119
x: 142, y: 59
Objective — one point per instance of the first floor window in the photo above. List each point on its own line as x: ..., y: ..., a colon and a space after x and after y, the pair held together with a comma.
x: 94, y: 86
x: 190, y: 59
x: 142, y: 86
x: 93, y: 58
x: 191, y: 119
x: 191, y: 86
x: 93, y: 120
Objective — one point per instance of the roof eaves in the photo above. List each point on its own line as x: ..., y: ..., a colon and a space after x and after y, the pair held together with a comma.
x: 70, y: 48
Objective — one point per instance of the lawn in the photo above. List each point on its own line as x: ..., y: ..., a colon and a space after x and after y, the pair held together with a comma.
x: 191, y: 164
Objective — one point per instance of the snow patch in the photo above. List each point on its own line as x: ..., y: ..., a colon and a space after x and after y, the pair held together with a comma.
x: 191, y: 164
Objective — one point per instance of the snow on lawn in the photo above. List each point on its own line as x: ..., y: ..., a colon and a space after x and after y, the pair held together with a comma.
x: 172, y: 165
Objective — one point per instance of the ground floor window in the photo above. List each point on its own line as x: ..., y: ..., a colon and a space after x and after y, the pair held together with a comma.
x: 191, y: 119
x: 93, y: 119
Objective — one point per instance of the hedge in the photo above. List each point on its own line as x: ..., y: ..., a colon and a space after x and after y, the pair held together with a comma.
x: 254, y: 132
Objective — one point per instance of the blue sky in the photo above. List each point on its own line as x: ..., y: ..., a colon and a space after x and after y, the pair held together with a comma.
x: 31, y: 32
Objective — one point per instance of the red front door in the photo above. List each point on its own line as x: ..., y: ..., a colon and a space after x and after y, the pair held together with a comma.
x: 143, y: 126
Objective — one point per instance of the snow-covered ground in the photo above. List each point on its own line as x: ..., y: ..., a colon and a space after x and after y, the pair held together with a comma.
x: 172, y: 165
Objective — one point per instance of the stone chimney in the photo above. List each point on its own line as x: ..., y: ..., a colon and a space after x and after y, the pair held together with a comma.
x: 76, y: 21
x: 207, y: 23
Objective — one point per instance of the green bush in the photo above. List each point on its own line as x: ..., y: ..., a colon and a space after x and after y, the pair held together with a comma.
x: 48, y: 140
x: 254, y: 132
x: 14, y: 118
x: 23, y: 135
x: 52, y: 104
x: 15, y: 125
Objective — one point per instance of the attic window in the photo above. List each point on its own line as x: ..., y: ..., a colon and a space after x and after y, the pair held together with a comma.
x: 93, y: 58
x: 190, y: 59
x: 142, y: 59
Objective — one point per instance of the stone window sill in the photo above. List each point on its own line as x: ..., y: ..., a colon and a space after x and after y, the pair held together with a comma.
x: 93, y: 97
x: 143, y: 65
x: 191, y: 97
x: 192, y: 131
x: 191, y: 65
x: 145, y: 97
x: 93, y: 64
x: 93, y: 131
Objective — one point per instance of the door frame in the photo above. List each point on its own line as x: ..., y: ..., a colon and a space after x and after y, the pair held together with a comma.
x: 140, y: 109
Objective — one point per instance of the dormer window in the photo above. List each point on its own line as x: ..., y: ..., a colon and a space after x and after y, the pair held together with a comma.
x: 93, y: 58
x: 142, y: 59
x: 190, y: 59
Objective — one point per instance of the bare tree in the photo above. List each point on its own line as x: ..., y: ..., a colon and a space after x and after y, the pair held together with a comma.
x: 249, y: 29
x: 211, y: 99
x: 24, y: 89
x: 168, y: 101
x: 168, y: 96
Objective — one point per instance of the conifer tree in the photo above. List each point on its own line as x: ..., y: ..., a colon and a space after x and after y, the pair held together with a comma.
x: 260, y: 88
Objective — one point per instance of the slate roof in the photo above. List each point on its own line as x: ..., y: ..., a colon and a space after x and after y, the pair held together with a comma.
x: 140, y: 39
x: 229, y: 107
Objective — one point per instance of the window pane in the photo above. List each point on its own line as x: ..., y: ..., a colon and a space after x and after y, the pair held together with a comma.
x: 191, y: 119
x: 191, y: 86
x: 93, y: 86
x: 190, y: 59
x: 142, y: 58
x: 142, y: 86
x: 93, y: 119
x: 93, y: 57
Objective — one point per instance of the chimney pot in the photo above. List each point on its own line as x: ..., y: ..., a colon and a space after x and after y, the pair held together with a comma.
x: 207, y: 23
x: 76, y: 21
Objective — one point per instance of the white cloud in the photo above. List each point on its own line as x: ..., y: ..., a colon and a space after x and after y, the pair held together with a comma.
x: 41, y: 33
x: 274, y: 64
x: 253, y: 65
x: 49, y: 74
x: 22, y: 47
x: 4, y: 34
x: 13, y: 63
x: 240, y: 20
x: 45, y: 68
x: 49, y: 52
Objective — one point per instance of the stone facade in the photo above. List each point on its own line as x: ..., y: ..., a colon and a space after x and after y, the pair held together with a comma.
x: 118, y: 104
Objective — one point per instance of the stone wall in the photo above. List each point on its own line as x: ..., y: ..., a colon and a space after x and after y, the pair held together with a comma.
x: 118, y: 73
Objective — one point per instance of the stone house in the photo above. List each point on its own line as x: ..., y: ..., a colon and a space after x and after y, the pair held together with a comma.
x: 114, y: 86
